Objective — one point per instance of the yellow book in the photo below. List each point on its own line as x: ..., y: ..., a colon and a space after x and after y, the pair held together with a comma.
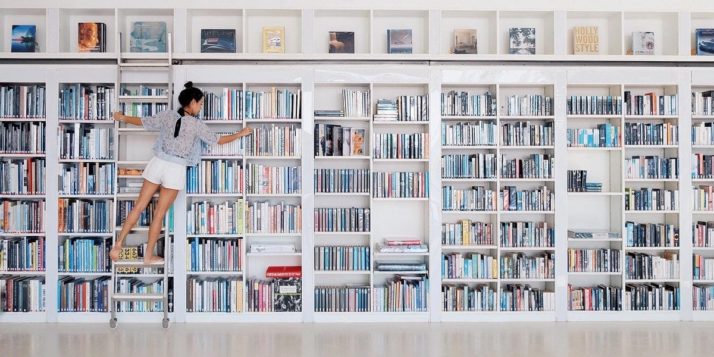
x: 274, y: 39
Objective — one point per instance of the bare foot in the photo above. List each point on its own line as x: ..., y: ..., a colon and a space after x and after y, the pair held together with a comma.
x: 153, y: 260
x: 114, y: 253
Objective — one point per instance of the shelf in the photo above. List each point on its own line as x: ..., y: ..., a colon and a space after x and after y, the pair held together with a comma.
x: 86, y: 234
x: 224, y: 157
x: 545, y: 147
x: 402, y: 254
x: 22, y: 197
x: 193, y: 235
x: 272, y: 157
x: 594, y: 240
x: 469, y: 281
x: 651, y: 212
x: 342, y: 233
x: 527, y: 249
x: 86, y: 121
x: 594, y: 116
x: 285, y: 235
x: 214, y: 273
x: 527, y: 117
x: 85, y: 274
x: 595, y: 194
x: 213, y: 195
x: 516, y: 281
x: 586, y: 148
x: 703, y: 281
x: 23, y: 273
x: 382, y: 199
x: 339, y: 194
x: 467, y: 248
x: 21, y: 156
x: 650, y: 249
x: 466, y: 118
x: 651, y: 180
x: 143, y: 98
x: 343, y: 119
x: 26, y: 234
x: 273, y: 121
x: 396, y: 161
x: 221, y: 121
x: 340, y: 158
x: 274, y: 195
x: 468, y: 212
x: 86, y: 196
x: 73, y: 161
x: 419, y: 272
x: 650, y: 117
x: 651, y: 147
x: 408, y: 123
x: 276, y: 254
x: 517, y: 180
x: 651, y: 281
x: 526, y: 212
x: 479, y: 147
x: 342, y: 272
x: 703, y: 249
x: 468, y: 180
x: 579, y: 273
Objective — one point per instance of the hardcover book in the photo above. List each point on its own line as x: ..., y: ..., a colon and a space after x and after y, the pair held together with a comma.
x: 357, y: 141
x: 465, y: 41
x: 586, y: 40
x: 399, y: 41
x: 522, y: 40
x: 218, y: 41
x: 287, y: 295
x: 342, y: 42
x: 24, y: 38
x: 92, y: 37
x: 274, y: 39
x: 148, y: 37
x: 643, y: 43
x: 705, y: 42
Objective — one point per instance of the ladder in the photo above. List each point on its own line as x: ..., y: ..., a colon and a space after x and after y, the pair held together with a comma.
x: 124, y: 66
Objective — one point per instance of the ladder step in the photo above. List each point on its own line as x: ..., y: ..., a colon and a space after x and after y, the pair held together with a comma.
x: 137, y: 264
x: 137, y: 297
x: 144, y: 65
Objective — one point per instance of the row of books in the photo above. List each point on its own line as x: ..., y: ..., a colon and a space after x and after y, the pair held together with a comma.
x: 84, y: 216
x: 342, y: 219
x: 602, y: 136
x: 474, y: 166
x: 215, y: 176
x: 86, y: 102
x: 281, y: 293
x: 22, y: 294
x: 82, y: 295
x: 215, y: 218
x: 400, y: 267
x: 124, y: 207
x: 595, y: 298
x: 22, y: 138
x: 336, y: 140
x: 702, y: 166
x: 703, y: 103
x: 402, y: 294
x: 703, y: 268
x: 225, y: 105
x: 526, y: 298
x: 469, y: 266
x: 341, y: 180
x: 138, y: 286
x: 274, y: 140
x: 342, y: 258
x: 86, y: 142
x: 22, y: 176
x: 403, y: 108
x: 85, y: 255
x: 22, y: 216
x: 651, y: 134
x: 22, y: 101
x: 265, y: 217
x: 594, y: 260
x: 278, y: 103
x: 401, y: 146
x: 468, y: 298
x: 594, y: 105
x: 541, y: 199
x: 264, y: 179
x: 703, y: 197
x: 476, y: 198
x: 651, y: 235
x: 703, y: 298
x: 525, y: 133
x: 526, y: 235
x: 521, y: 266
x: 400, y: 184
x: 342, y: 299
x: 528, y: 105
x: 703, y: 234
x: 399, y: 246
x: 206, y: 254
x: 142, y: 109
x: 651, y: 199
x: 643, y: 266
x: 22, y: 254
x: 703, y: 133
x: 455, y: 103
x: 650, y: 104
x: 214, y: 295
x: 87, y: 179
x: 479, y: 133
x: 533, y: 166
x: 234, y: 148
x: 651, y: 167
x: 650, y: 297
x: 578, y: 182
x: 356, y: 103
x: 467, y: 233
x: 143, y: 90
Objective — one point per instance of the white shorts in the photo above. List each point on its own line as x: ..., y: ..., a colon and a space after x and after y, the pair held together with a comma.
x: 165, y: 173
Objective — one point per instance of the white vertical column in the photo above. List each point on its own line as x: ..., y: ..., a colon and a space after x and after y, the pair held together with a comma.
x: 52, y: 23
x: 307, y: 33
x: 684, y: 28
x: 308, y: 197
x: 180, y: 34
x: 434, y: 207
x: 51, y: 197
x: 434, y: 32
x: 684, y: 90
x: 561, y: 196
x: 560, y: 34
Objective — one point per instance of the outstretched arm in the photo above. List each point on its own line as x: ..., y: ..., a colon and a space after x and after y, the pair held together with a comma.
x: 118, y: 116
x: 228, y: 138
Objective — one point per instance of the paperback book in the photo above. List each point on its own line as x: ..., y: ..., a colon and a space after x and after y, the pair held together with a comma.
x: 643, y: 43
x: 399, y: 41
x: 274, y: 39
x: 465, y: 42
x: 92, y: 37
x: 705, y: 42
x: 522, y: 41
x: 218, y: 41
x: 586, y: 40
x: 148, y: 36
x: 342, y: 42
x: 24, y: 38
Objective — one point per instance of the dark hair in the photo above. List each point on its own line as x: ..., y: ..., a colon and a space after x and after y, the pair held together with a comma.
x: 188, y: 94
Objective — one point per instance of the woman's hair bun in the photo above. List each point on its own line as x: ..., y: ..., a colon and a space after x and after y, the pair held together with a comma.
x: 188, y: 84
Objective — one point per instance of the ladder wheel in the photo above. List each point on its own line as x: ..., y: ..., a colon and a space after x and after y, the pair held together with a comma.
x: 165, y: 323
x: 113, y: 323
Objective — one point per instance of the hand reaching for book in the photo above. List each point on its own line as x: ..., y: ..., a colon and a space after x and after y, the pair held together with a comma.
x: 245, y: 131
x: 118, y: 116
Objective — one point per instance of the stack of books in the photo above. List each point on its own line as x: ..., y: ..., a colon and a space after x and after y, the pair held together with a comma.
x: 386, y: 110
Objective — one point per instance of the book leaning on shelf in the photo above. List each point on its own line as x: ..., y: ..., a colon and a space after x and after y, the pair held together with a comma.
x: 335, y: 140
x: 403, y: 293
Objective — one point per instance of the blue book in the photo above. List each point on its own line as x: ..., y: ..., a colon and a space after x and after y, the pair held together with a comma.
x: 218, y: 41
x: 148, y: 36
x: 704, y: 39
x: 24, y: 38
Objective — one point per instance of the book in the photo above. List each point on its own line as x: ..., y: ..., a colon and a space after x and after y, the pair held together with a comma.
x: 522, y: 40
x: 399, y: 41
x: 148, y: 36
x: 92, y: 37
x: 643, y: 43
x: 283, y: 272
x: 24, y: 38
x: 705, y: 42
x: 342, y: 42
x: 586, y: 40
x: 465, y: 42
x: 468, y: 233
x: 218, y: 41
x: 274, y: 39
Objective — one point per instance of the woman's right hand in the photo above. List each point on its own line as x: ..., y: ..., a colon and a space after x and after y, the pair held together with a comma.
x: 245, y: 131
x: 118, y: 116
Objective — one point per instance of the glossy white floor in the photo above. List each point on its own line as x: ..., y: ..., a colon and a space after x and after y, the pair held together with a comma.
x: 343, y: 340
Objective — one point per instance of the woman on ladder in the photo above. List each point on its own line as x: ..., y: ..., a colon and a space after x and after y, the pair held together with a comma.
x: 177, y: 146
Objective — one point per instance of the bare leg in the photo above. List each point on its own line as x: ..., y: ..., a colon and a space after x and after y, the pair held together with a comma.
x: 147, y: 191
x: 166, y: 199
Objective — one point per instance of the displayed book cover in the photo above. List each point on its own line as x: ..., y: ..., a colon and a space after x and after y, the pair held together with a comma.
x: 705, y: 42
x: 357, y: 141
x: 274, y: 39
x: 287, y: 295
x: 148, y: 36
x: 399, y: 41
x: 342, y: 42
x: 24, y: 38
x: 586, y: 40
x: 643, y: 43
x: 522, y: 41
x: 92, y: 37
x: 465, y: 41
x: 218, y: 41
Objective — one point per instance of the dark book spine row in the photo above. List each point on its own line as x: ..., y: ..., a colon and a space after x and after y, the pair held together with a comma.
x: 22, y: 254
x: 22, y: 217
x: 342, y: 258
x: 651, y: 297
x: 401, y: 146
x: 22, y: 294
x: 89, y: 255
x: 341, y: 180
x: 214, y: 295
x: 342, y: 220
x: 594, y: 105
x: 336, y: 140
x: 86, y: 142
x: 476, y: 198
x: 146, y: 216
x: 215, y: 176
x: 650, y: 104
x: 516, y: 297
x: 540, y: 199
x: 596, y: 298
x: 529, y: 105
x: 651, y: 134
x: 527, y: 134
x: 535, y: 166
x: 521, y: 266
x: 468, y: 298
x: 263, y: 179
x: 87, y: 179
x: 22, y: 101
x: 400, y: 184
x: 265, y: 217
x: 469, y: 266
x: 22, y: 177
x: 142, y: 109
x: 85, y: 102
x: 215, y: 218
x: 652, y: 167
x: 342, y: 299
x: 526, y: 234
x: 22, y: 138
x: 653, y: 199
x: 228, y: 105
x: 651, y: 235
x: 274, y: 140
x: 83, y: 295
x: 464, y: 166
x: 413, y: 108
x: 208, y: 254
x: 578, y: 182
x: 85, y: 216
x: 640, y: 266
x: 467, y: 233
x: 602, y: 136
x: 480, y: 133
x: 455, y: 103
x: 594, y: 260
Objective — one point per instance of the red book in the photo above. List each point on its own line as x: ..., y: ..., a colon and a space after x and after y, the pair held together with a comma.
x: 284, y: 272
x: 402, y: 242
